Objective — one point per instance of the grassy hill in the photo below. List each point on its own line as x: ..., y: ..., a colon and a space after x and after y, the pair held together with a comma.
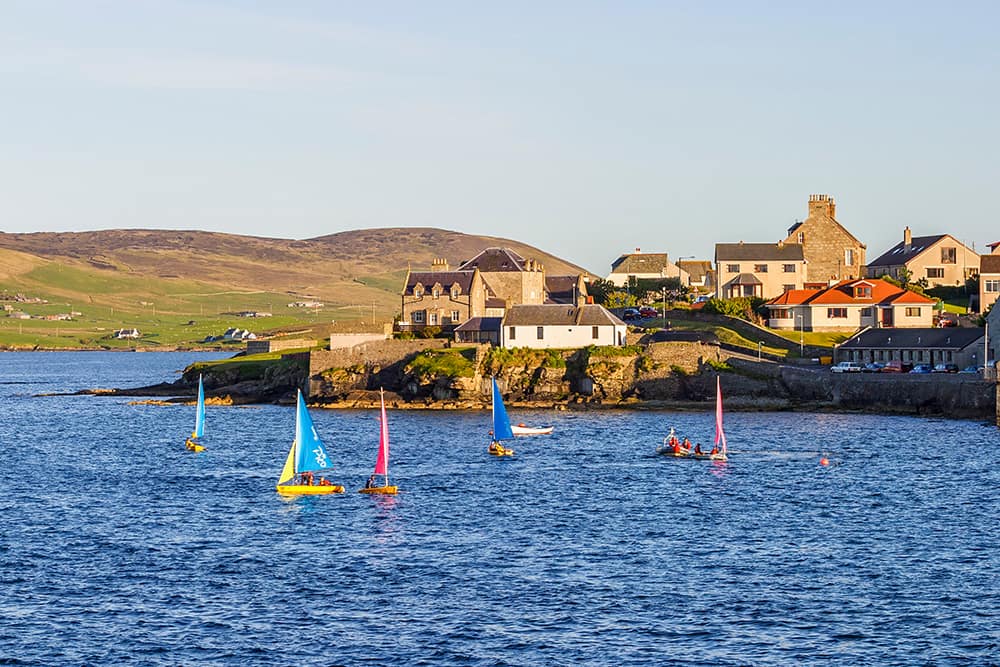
x: 178, y: 287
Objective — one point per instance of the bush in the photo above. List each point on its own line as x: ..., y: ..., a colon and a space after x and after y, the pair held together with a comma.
x: 431, y: 364
x: 432, y: 331
x: 744, y: 308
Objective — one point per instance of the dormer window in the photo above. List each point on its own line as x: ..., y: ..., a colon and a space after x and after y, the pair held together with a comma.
x: 455, y: 291
x: 418, y: 290
x: 862, y: 292
x: 436, y: 291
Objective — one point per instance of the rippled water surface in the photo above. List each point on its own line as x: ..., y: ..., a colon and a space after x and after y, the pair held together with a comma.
x: 117, y: 546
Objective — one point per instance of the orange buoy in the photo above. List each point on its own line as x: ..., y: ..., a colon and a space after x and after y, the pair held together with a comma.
x: 824, y: 461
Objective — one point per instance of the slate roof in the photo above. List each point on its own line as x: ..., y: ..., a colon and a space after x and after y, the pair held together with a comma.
x: 989, y: 264
x: 644, y: 262
x: 745, y: 279
x: 446, y: 278
x: 561, y: 289
x: 494, y: 260
x: 948, y: 338
x: 480, y: 324
x: 789, y: 252
x: 495, y: 302
x: 883, y: 293
x: 697, y: 269
x: 549, y: 314
x: 898, y: 254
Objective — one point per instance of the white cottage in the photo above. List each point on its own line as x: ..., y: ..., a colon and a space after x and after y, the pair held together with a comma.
x: 560, y: 326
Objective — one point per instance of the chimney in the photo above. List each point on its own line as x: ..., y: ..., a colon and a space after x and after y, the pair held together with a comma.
x: 821, y: 205
x: 439, y: 264
x: 637, y: 251
x: 907, y: 239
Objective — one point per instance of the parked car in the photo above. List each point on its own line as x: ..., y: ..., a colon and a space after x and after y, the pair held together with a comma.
x: 847, y: 367
x: 648, y: 311
x: 946, y: 321
x: 872, y: 367
x: 897, y: 366
x: 972, y: 369
x: 631, y: 314
x: 922, y: 368
x: 945, y: 368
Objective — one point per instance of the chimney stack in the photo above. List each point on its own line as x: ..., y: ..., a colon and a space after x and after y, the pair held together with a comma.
x: 822, y: 205
x: 907, y: 239
x: 439, y: 264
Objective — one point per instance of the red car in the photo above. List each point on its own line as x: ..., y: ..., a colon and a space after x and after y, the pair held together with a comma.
x: 648, y: 311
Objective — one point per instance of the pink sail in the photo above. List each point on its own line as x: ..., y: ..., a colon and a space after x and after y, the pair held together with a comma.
x: 720, y: 435
x: 382, y: 462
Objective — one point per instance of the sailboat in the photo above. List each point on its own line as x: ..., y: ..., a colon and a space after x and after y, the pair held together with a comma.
x: 501, y: 425
x: 382, y: 460
x: 717, y: 453
x: 306, y: 457
x: 199, y: 422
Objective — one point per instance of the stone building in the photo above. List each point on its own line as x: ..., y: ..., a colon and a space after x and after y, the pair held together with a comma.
x: 508, y: 276
x: 831, y: 252
x: 441, y: 298
x: 989, y: 278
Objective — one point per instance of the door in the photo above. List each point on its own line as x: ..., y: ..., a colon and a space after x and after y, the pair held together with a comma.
x: 887, y: 317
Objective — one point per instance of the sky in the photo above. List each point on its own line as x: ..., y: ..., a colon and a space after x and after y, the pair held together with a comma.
x: 587, y: 129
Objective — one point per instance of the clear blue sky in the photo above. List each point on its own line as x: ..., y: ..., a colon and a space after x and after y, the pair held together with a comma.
x: 587, y: 129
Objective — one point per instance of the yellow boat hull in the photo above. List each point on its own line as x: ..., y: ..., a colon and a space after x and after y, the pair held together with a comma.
x: 303, y: 490
x: 193, y: 446
x: 502, y: 452
x: 380, y: 490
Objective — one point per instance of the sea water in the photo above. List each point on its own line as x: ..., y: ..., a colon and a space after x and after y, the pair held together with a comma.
x: 118, y: 546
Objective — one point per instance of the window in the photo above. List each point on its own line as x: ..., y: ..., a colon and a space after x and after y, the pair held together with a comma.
x: 418, y: 290
x: 432, y: 318
x: 760, y: 268
x: 881, y: 355
x: 418, y: 317
x: 513, y: 332
x: 836, y: 313
x: 787, y: 288
x: 866, y: 312
x: 436, y: 292
x: 862, y: 292
x: 781, y: 314
x: 913, y: 311
x: 848, y: 257
x: 788, y: 268
x: 454, y: 316
x: 935, y: 273
x: 991, y: 285
x: 801, y: 237
x: 540, y: 332
x: 948, y: 255
x: 595, y: 332
x: 455, y: 291
x: 732, y: 268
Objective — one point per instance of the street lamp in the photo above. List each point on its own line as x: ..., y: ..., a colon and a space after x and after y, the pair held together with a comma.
x: 760, y: 343
x: 802, y: 335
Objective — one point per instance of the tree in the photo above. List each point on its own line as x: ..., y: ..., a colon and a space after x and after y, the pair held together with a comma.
x: 619, y: 299
x: 599, y: 288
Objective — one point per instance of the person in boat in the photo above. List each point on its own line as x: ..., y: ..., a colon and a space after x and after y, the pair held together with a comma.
x: 497, y: 448
x: 687, y: 445
x: 675, y: 446
x: 697, y: 449
x: 307, y: 478
x: 715, y: 450
x: 370, y: 484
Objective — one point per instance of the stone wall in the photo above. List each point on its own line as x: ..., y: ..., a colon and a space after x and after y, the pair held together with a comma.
x: 340, y: 341
x: 277, y: 345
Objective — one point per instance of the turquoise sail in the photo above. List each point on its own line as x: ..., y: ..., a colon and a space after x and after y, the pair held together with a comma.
x: 199, y: 417
x: 501, y: 423
x: 309, y: 453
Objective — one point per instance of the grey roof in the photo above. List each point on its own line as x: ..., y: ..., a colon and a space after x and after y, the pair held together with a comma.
x: 562, y: 289
x: 556, y: 314
x: 746, y: 279
x: 495, y: 302
x: 480, y: 324
x: 446, y: 278
x: 989, y: 264
x: 788, y: 252
x: 696, y: 268
x: 898, y: 254
x: 953, y: 338
x: 644, y: 262
x: 493, y: 260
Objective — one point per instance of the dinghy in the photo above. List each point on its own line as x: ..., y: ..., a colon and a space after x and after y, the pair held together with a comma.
x: 305, y: 458
x: 501, y: 425
x: 381, y: 460
x: 199, y: 422
x: 521, y: 430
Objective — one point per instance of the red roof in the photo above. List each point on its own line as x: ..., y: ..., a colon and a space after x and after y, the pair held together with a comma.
x: 842, y: 293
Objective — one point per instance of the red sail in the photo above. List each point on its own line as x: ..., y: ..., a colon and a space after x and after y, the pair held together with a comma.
x: 382, y: 462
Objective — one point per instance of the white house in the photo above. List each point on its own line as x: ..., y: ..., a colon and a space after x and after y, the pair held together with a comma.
x: 645, y: 266
x: 560, y: 326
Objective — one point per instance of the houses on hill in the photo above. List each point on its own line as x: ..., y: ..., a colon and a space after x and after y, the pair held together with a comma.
x: 939, y: 259
x: 850, y: 305
x: 761, y: 270
x: 830, y: 252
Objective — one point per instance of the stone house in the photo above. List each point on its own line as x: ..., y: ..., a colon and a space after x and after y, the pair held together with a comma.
x: 850, y: 305
x: 762, y: 270
x: 831, y: 253
x: 989, y: 278
x: 441, y: 298
x: 508, y: 276
x: 560, y: 326
x: 961, y: 346
x: 644, y: 266
x: 941, y: 260
x: 566, y: 290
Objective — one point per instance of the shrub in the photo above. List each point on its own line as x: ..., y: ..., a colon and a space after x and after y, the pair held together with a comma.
x: 431, y: 364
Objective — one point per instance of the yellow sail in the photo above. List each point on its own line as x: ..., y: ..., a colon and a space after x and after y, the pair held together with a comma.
x: 289, y: 470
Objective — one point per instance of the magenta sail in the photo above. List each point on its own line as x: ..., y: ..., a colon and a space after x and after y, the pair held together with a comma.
x: 382, y: 462
x: 720, y: 435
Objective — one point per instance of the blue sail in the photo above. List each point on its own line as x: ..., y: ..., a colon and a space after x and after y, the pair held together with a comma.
x: 199, y: 416
x: 501, y: 423
x: 309, y: 453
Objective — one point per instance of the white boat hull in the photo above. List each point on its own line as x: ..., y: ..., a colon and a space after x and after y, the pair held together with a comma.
x: 527, y: 430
